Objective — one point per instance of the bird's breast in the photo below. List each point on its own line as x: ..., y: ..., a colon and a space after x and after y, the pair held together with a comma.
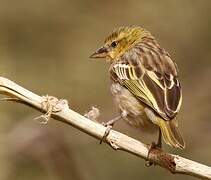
x: 126, y: 101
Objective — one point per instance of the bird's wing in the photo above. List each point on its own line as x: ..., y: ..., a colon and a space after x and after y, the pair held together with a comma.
x: 151, y: 79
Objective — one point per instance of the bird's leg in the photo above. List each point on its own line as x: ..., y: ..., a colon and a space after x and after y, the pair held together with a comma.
x: 152, y: 146
x: 109, y: 124
x: 159, y: 142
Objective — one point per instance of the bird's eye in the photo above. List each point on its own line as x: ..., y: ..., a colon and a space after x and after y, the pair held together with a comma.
x: 114, y: 44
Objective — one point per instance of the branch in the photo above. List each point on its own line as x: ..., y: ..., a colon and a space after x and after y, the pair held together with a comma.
x: 117, y: 140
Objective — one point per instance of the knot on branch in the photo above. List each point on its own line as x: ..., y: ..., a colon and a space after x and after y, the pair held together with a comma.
x: 51, y: 104
x: 164, y: 159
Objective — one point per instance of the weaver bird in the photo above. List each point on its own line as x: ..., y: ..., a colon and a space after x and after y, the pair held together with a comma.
x: 145, y: 82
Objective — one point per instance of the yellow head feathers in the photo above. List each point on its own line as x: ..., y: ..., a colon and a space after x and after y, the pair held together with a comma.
x: 119, y: 41
x: 129, y: 32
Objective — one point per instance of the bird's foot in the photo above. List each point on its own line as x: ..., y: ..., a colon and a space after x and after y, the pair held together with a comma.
x: 51, y: 105
x: 152, y: 146
x: 110, y: 124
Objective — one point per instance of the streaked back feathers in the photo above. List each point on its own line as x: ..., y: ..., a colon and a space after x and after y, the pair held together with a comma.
x: 149, y: 73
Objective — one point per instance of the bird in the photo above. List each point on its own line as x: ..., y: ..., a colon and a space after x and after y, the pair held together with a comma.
x: 144, y: 83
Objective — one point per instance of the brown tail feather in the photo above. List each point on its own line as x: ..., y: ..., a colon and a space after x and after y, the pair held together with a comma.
x: 171, y: 133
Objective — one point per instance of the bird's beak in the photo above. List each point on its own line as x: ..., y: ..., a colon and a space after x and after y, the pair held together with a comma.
x: 100, y: 53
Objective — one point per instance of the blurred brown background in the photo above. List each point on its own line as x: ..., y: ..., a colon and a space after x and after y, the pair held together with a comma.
x: 45, y: 45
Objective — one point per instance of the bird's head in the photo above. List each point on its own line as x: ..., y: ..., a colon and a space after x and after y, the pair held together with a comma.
x: 119, y: 41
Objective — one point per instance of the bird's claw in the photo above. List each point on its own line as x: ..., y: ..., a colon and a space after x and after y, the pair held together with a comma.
x: 108, y: 129
x: 152, y: 146
x: 110, y: 124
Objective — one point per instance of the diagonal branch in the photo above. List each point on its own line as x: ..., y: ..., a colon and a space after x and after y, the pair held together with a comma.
x: 117, y: 140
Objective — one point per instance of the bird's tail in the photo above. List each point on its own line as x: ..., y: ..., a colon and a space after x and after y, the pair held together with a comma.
x: 171, y: 133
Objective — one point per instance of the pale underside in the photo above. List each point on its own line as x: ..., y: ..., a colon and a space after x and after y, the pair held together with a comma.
x: 127, y: 102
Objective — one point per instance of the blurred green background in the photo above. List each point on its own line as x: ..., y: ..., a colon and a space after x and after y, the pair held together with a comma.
x: 45, y: 45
